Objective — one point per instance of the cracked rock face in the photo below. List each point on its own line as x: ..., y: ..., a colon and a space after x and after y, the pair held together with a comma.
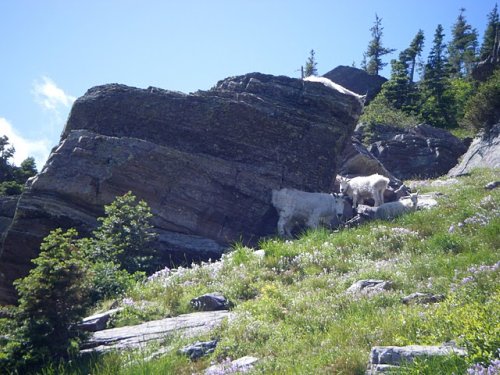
x: 206, y: 163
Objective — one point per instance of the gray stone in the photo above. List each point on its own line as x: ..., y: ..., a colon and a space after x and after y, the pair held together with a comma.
x: 210, y: 302
x: 199, y: 349
x: 239, y: 365
x: 97, y: 322
x: 7, y: 211
x: 422, y: 151
x: 385, y: 358
x: 492, y: 185
x: 132, y: 337
x: 484, y: 152
x: 369, y: 287
x: 205, y: 163
x: 422, y: 298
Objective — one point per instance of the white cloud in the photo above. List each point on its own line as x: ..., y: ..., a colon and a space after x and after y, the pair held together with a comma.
x: 39, y: 149
x: 51, y: 97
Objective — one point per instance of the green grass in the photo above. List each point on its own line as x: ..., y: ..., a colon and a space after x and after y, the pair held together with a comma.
x: 292, y: 310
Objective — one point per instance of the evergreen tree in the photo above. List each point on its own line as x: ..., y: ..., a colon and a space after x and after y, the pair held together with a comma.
x: 400, y: 91
x: 53, y: 297
x: 125, y: 235
x: 397, y: 89
x: 412, y: 52
x: 463, y: 47
x: 375, y: 49
x: 6, y: 154
x: 436, y: 105
x: 311, y: 69
x: 12, y: 178
x: 490, y: 33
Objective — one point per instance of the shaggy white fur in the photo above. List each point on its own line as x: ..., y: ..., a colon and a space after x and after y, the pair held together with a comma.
x: 394, y: 209
x: 360, y: 188
x: 293, y: 205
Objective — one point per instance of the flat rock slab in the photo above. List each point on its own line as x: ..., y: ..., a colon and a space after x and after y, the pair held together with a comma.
x: 389, y: 358
x: 238, y: 366
x: 132, y: 337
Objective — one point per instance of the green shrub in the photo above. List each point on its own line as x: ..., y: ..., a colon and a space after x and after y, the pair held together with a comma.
x: 109, y: 281
x: 10, y: 188
x: 380, y: 111
x: 483, y: 109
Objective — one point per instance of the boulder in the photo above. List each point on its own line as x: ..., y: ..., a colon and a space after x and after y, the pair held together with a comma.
x: 421, y: 151
x: 199, y: 349
x: 422, y: 298
x: 357, y: 80
x: 369, y: 287
x: 385, y: 359
x: 132, y: 337
x: 484, y: 152
x: 210, y: 302
x: 492, y: 185
x: 97, y: 322
x: 206, y: 163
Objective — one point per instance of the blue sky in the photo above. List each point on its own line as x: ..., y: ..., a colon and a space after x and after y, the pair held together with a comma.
x: 53, y: 51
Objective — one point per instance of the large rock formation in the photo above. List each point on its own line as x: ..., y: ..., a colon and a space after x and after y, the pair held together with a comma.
x: 7, y: 211
x: 357, y: 80
x: 206, y: 163
x: 484, y: 152
x: 418, y: 152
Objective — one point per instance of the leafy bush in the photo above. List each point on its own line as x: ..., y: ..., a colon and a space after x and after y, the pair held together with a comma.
x: 483, y: 109
x: 380, y: 111
x: 10, y: 188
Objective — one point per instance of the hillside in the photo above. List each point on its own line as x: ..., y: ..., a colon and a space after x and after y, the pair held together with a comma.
x: 291, y: 309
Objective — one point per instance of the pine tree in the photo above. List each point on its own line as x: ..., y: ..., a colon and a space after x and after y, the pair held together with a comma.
x: 311, y: 69
x: 126, y: 234
x: 436, y: 105
x: 463, y: 47
x: 490, y: 33
x: 397, y: 89
x: 375, y: 49
x: 411, y: 53
x: 53, y: 297
x: 6, y: 154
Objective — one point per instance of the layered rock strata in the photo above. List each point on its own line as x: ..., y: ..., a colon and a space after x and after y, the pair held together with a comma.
x: 206, y: 163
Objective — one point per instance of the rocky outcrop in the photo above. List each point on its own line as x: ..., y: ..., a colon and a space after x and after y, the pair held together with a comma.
x: 206, y: 163
x: 484, y: 152
x: 7, y: 211
x: 357, y: 80
x: 422, y: 151
x: 131, y: 337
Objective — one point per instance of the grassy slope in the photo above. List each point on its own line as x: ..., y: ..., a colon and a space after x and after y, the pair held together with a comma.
x: 292, y: 310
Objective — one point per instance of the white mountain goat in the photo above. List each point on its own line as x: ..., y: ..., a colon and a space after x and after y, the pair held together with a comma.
x: 391, y: 210
x: 311, y: 208
x: 363, y: 187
